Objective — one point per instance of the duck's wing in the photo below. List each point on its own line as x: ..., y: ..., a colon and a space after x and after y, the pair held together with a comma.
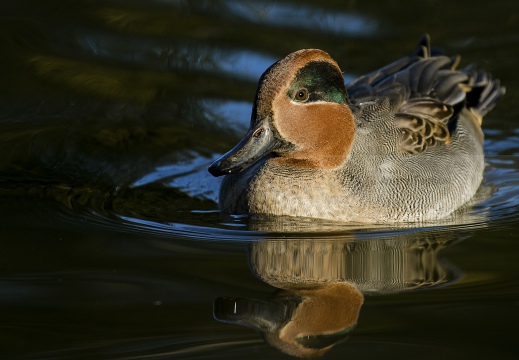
x: 427, y: 94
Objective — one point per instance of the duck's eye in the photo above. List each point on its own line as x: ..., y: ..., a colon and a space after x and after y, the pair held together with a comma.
x: 301, y: 95
x: 258, y: 133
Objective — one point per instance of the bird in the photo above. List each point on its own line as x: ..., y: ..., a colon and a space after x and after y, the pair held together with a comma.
x: 403, y: 143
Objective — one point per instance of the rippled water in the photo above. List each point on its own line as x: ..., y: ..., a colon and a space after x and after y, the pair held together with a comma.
x: 111, y: 245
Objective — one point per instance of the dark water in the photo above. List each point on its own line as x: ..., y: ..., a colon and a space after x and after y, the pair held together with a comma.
x: 111, y: 245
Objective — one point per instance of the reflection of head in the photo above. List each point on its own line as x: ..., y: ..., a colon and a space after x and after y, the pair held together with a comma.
x: 302, y: 323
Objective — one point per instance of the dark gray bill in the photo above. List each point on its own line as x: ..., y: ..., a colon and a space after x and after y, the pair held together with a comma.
x: 260, y: 314
x: 258, y: 142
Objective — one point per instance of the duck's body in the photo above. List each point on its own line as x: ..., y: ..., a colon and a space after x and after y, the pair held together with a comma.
x: 388, y: 186
x: 406, y: 146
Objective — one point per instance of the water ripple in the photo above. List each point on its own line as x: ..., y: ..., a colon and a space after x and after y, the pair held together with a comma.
x: 307, y: 17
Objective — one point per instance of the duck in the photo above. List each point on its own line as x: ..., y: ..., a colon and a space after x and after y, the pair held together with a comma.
x: 403, y: 143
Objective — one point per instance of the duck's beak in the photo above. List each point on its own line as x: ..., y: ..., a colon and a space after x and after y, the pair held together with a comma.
x: 258, y: 142
x: 262, y: 315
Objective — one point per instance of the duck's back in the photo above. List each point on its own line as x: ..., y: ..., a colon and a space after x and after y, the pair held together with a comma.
x: 426, y: 185
x: 418, y: 149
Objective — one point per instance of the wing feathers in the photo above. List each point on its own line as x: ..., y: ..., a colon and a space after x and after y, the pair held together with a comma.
x: 428, y: 93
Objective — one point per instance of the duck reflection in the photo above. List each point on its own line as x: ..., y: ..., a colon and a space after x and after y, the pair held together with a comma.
x: 322, y: 282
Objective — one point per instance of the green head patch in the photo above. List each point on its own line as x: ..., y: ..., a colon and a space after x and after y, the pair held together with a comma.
x: 319, y: 81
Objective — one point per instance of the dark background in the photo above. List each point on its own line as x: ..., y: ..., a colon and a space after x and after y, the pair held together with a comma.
x: 111, y: 111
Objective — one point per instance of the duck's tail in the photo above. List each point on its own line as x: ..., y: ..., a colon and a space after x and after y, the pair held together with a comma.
x: 482, y: 91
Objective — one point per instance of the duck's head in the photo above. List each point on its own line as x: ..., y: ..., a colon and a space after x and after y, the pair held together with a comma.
x: 299, y: 322
x: 301, y: 115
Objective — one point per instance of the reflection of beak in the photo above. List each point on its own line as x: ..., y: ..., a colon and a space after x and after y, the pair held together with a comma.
x: 258, y: 314
x: 258, y: 142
